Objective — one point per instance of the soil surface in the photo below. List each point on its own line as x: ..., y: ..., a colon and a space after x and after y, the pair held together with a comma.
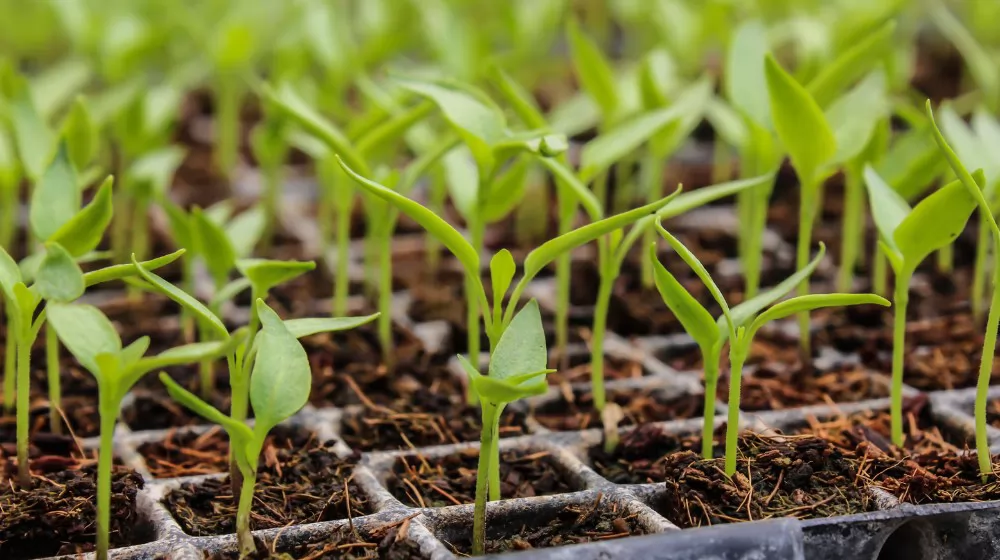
x: 58, y: 515
x: 639, y: 405
x: 451, y: 480
x: 298, y: 485
x: 640, y: 455
x: 600, y: 520
x: 387, y: 542
x: 802, y: 477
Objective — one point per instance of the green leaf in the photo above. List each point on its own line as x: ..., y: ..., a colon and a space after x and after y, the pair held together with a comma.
x: 26, y: 300
x: 698, y: 269
x: 245, y: 230
x: 522, y: 346
x: 912, y: 163
x: 856, y: 114
x: 120, y: 271
x: 83, y: 232
x: 851, y: 65
x: 431, y: 222
x: 212, y: 244
x: 10, y: 274
x: 592, y: 69
x: 498, y: 391
x: 80, y: 134
x: 155, y: 170
x: 566, y: 179
x: 987, y: 128
x: 131, y: 354
x: 56, y: 199
x: 744, y: 312
x: 265, y: 274
x: 392, y: 129
x: 973, y: 183
x: 548, y: 251
x: 462, y: 176
x: 502, y: 269
x: 237, y: 431
x: 183, y: 298
x: 34, y: 140
x: 811, y: 302
x: 934, y: 222
x: 695, y: 319
x: 59, y: 278
x: 657, y: 77
x: 799, y: 122
x: 281, y: 379
x: 506, y: 192
x: 962, y: 139
x: 306, y: 327
x: 601, y: 153
x: 479, y: 125
x: 519, y: 99
x: 887, y: 207
x: 84, y: 331
x: 745, y: 83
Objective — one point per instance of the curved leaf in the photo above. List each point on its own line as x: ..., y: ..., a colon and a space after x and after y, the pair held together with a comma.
x: 212, y: 244
x: 887, y: 206
x: 745, y: 83
x: 592, y: 69
x: 810, y: 302
x: 935, y: 222
x: 34, y: 140
x: 238, y: 431
x: 504, y: 391
x: 59, y: 278
x: 306, y: 327
x: 695, y: 319
x: 522, y: 346
x: 10, y: 274
x: 120, y: 271
x: 851, y: 64
x: 80, y: 134
x: 84, y: 331
x: 502, y: 269
x: 84, y: 231
x: 856, y: 114
x: 56, y: 198
x: 973, y: 182
x: 184, y: 299
x: 281, y: 378
x: 245, y: 230
x: 744, y: 312
x: 265, y: 274
x: 566, y: 179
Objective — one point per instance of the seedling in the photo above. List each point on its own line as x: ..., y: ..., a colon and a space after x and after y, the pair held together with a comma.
x: 907, y: 236
x: 92, y: 339
x: 517, y: 370
x: 279, y: 387
x: 973, y: 184
x: 737, y: 325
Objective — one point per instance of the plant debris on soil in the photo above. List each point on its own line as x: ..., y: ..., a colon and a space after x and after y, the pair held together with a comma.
x: 639, y: 457
x: 298, y: 485
x: 597, y: 521
x: 426, y: 418
x: 574, y: 410
x: 787, y: 476
x: 777, y: 388
x: 385, y: 542
x: 451, y: 480
x: 58, y: 515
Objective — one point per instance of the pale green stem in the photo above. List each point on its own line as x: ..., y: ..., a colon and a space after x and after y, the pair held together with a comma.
x: 736, y: 359
x: 607, y: 282
x: 807, y: 215
x: 851, y: 229
x: 880, y: 272
x: 946, y: 259
x: 23, y: 393
x: 985, y: 369
x: 239, y: 381
x: 139, y: 235
x: 187, y: 318
x: 495, y: 455
x: 243, y: 535
x: 487, y: 441
x: 759, y: 198
x: 9, y: 205
x: 120, y: 226
x: 10, y: 366
x: 342, y: 275
x: 979, y: 274
x: 564, y: 266
x: 227, y: 125
x: 472, y: 301
x: 206, y: 374
x: 600, y: 189
x: 711, y: 361
x: 55, y: 383
x: 652, y: 175
x: 624, y: 186
x: 901, y: 298
x: 385, y: 298
x: 105, y: 459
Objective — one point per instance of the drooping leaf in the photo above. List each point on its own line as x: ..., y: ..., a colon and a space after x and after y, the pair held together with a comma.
x: 59, y: 278
x: 851, y: 65
x: 934, y: 222
x: 265, y: 274
x: 184, y: 299
x: 281, y: 378
x: 84, y: 331
x: 592, y: 69
x: 744, y: 312
x: 696, y: 320
x: 82, y: 233
x: 799, y: 122
x: 811, y: 302
x: 887, y: 206
x: 56, y: 198
x: 745, y: 83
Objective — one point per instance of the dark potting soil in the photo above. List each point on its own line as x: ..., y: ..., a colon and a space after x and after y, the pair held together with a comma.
x: 155, y: 410
x: 58, y: 516
x: 992, y: 413
x: 187, y: 454
x: 578, y: 369
x: 600, y: 520
x: 297, y: 485
x: 451, y: 480
x: 640, y: 406
x: 387, y: 542
x: 799, y: 476
x: 80, y: 412
x: 424, y: 418
x: 639, y: 457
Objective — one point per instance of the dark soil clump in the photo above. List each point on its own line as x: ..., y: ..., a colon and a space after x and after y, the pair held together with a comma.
x: 639, y: 405
x: 639, y: 457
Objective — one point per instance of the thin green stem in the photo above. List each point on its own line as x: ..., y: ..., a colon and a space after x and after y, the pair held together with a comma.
x: 10, y: 367
x: 243, y: 535
x: 120, y: 227
x: 807, y: 214
x: 23, y: 392
x: 652, y: 176
x: 979, y: 274
x: 486, y: 443
x: 105, y: 458
x: 9, y: 205
x: 227, y: 124
x: 985, y: 371
x: 711, y: 361
x: 477, y: 232
x: 851, y: 229
x: 436, y: 202
x: 737, y: 355
x: 494, y: 474
x: 564, y: 267
x: 385, y: 299
x: 901, y: 299
x: 55, y: 383
x: 187, y: 318
x: 206, y: 375
x: 946, y: 259
x: 597, y: 337
x: 880, y: 272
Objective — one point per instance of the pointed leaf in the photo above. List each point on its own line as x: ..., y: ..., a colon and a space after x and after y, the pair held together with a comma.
x: 519, y: 99
x: 84, y: 231
x: 34, y: 140
x: 698, y: 268
x: 59, y: 278
x: 935, y: 222
x: 306, y: 327
x: 811, y: 302
x: 498, y: 391
x: 799, y: 122
x: 56, y: 198
x: 744, y: 312
x: 696, y: 320
x: 566, y: 179
x: 592, y: 69
x: 120, y: 271
x: 856, y: 114
x: 80, y: 134
x: 506, y: 192
x: 10, y: 274
x: 522, y: 346
x: 281, y: 378
x: 131, y: 354
x: 745, y: 82
x: 245, y: 230
x: 462, y: 176
x: 851, y: 65
x: 213, y: 246
x: 887, y: 206
x: 84, y: 331
x: 973, y: 183
x: 502, y: 269
x: 265, y: 274
x: 962, y: 139
x: 183, y: 298
x: 237, y: 431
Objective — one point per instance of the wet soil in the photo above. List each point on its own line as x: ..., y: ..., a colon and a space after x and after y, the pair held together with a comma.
x: 597, y: 521
x: 574, y: 410
x: 639, y: 457
x: 303, y: 484
x: 386, y: 542
x: 801, y: 477
x: 451, y: 480
x: 58, y: 516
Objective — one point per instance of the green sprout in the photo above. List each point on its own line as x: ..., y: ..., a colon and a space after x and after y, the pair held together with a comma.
x: 907, y: 236
x: 973, y: 184
x: 517, y: 370
x: 279, y: 387
x: 94, y: 342
x: 737, y: 326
